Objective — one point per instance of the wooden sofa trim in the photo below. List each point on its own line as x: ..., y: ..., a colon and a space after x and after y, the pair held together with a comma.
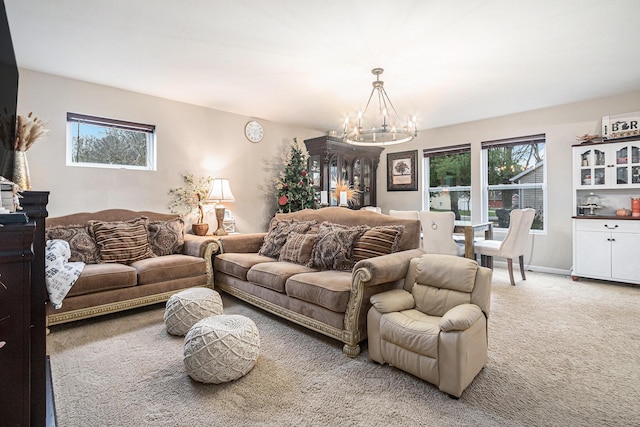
x: 114, y: 307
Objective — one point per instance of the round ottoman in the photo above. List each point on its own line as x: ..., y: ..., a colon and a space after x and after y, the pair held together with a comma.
x: 187, y: 307
x: 221, y: 348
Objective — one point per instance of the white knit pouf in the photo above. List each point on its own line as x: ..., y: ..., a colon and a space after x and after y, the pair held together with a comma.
x: 187, y: 307
x: 221, y: 348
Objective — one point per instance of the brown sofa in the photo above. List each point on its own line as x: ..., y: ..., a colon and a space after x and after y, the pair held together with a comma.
x: 107, y: 287
x: 332, y: 302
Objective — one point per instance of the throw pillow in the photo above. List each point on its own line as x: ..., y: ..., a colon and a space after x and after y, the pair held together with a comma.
x: 83, y: 247
x: 298, y: 248
x: 122, y: 241
x: 377, y: 241
x: 166, y: 237
x: 277, y: 235
x: 334, y: 246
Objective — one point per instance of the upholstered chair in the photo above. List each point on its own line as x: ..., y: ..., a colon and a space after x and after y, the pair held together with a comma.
x: 513, y: 244
x: 375, y: 209
x: 404, y: 214
x: 435, y: 327
x: 437, y: 233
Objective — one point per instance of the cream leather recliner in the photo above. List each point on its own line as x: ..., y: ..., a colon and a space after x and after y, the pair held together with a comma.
x: 436, y: 326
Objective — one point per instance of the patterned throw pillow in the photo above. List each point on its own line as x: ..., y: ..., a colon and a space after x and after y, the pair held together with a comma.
x: 377, y: 241
x: 166, y: 237
x: 298, y: 248
x: 122, y: 241
x: 334, y: 246
x: 82, y: 245
x: 277, y: 235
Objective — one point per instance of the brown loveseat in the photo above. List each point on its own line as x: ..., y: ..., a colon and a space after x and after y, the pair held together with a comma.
x: 109, y: 284
x: 326, y: 294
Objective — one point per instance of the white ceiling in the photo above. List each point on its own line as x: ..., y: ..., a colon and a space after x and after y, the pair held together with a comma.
x: 308, y: 62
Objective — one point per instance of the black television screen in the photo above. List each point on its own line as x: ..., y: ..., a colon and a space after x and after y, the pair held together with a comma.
x: 8, y: 96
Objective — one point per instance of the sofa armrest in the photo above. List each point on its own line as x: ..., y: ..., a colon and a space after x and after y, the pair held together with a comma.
x: 393, y: 300
x: 460, y: 317
x: 385, y: 268
x: 197, y: 245
x: 242, y: 243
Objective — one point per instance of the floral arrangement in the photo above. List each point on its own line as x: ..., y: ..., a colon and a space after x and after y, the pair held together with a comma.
x: 190, y: 198
x: 346, y: 187
x: 28, y: 130
x: 294, y: 185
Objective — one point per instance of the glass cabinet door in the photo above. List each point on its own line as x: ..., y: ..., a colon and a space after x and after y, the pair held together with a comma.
x: 627, y: 163
x: 314, y: 174
x: 357, y: 182
x: 366, y: 183
x: 333, y: 179
x: 593, y: 168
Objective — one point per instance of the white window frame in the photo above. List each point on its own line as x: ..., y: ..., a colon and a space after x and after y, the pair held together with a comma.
x: 486, y: 187
x: 149, y: 130
x: 426, y: 199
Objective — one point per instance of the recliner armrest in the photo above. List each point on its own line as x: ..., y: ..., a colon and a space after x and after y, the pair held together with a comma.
x: 393, y: 300
x: 460, y: 317
x: 386, y: 268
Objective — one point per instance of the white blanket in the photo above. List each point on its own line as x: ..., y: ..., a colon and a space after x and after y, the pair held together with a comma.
x: 60, y: 275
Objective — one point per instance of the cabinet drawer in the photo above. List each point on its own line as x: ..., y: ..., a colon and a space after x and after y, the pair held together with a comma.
x: 608, y: 225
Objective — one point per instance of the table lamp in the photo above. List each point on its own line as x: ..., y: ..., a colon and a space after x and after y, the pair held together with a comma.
x: 220, y: 192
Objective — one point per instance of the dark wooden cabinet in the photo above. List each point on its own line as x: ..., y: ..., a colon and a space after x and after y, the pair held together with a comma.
x: 332, y: 160
x: 23, y: 360
x: 16, y: 257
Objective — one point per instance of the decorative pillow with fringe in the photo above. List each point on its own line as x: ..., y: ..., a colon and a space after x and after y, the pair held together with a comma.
x: 123, y: 242
x: 334, y: 246
x: 166, y: 237
x: 377, y: 241
x: 278, y: 232
x: 298, y: 248
x: 81, y: 244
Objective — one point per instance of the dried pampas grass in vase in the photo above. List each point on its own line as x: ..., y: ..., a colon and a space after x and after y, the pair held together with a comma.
x: 28, y: 130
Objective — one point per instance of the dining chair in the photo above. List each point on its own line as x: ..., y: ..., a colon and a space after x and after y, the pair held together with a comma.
x: 375, y: 209
x: 437, y: 233
x: 513, y: 244
x: 407, y: 215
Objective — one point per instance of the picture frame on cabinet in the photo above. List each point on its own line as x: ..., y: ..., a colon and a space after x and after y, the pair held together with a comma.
x: 402, y: 171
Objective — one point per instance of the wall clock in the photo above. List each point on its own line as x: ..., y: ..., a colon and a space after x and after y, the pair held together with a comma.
x: 253, y: 131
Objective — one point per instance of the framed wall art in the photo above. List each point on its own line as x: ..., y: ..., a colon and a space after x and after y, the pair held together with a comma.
x: 402, y: 171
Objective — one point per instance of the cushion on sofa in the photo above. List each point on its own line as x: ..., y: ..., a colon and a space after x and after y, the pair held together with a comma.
x: 103, y: 277
x: 377, y: 241
x: 329, y: 289
x: 169, y: 267
x: 166, y: 237
x: 277, y: 235
x: 238, y: 264
x: 273, y: 275
x: 333, y: 250
x: 82, y: 245
x: 298, y: 248
x: 122, y: 241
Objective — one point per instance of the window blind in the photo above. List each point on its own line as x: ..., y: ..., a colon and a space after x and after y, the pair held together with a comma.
x: 445, y: 151
x: 101, y: 121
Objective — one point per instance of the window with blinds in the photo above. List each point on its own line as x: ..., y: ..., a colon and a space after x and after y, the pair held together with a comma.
x: 448, y: 180
x: 514, y: 177
x: 109, y: 143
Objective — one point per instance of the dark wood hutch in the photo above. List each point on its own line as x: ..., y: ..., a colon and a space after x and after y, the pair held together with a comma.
x: 331, y: 159
x: 24, y: 373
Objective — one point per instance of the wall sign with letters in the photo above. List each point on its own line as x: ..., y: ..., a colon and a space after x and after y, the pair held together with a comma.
x: 621, y: 125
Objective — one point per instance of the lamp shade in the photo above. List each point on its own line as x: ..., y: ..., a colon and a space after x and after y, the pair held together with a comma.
x: 221, y: 190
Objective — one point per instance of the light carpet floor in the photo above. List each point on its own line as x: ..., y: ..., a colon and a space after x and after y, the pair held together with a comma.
x: 560, y: 354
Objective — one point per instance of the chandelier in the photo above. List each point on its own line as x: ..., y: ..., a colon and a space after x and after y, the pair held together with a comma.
x: 386, y: 126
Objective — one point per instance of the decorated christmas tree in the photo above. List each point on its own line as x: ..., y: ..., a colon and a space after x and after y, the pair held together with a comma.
x: 295, y: 187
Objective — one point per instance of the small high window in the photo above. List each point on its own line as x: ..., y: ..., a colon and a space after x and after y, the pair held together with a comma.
x: 108, y: 143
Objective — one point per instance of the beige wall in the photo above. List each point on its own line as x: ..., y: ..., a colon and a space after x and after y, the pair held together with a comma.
x: 553, y: 249
x: 210, y: 142
x: 190, y: 139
